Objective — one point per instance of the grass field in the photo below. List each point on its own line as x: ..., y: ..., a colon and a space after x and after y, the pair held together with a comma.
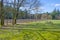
x: 41, y: 30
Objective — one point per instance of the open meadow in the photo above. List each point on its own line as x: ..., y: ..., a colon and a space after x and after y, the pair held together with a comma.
x: 41, y: 30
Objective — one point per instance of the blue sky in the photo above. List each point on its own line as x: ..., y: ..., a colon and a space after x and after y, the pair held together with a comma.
x: 49, y: 5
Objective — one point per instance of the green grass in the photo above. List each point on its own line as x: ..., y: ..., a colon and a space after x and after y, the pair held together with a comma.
x: 43, y: 30
x: 28, y: 35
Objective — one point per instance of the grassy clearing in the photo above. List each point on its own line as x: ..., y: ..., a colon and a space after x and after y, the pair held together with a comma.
x: 44, y: 30
x: 28, y: 35
x: 40, y: 24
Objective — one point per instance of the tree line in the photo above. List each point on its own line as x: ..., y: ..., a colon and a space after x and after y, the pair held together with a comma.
x: 55, y: 14
x: 12, y: 11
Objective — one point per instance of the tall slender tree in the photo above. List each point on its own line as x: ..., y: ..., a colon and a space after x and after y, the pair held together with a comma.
x: 2, y: 14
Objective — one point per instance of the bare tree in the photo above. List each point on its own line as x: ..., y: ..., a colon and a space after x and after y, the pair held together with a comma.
x: 17, y: 5
x: 20, y: 3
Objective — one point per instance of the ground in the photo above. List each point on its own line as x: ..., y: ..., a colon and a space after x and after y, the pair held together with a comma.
x: 40, y: 30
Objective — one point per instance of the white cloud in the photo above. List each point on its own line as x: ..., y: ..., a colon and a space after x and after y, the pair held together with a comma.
x: 57, y: 5
x: 42, y: 8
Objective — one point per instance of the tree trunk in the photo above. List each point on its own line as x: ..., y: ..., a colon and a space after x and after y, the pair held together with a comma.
x: 14, y: 14
x: 14, y: 20
x: 2, y: 14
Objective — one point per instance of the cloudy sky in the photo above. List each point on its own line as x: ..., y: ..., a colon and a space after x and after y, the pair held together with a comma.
x: 49, y: 5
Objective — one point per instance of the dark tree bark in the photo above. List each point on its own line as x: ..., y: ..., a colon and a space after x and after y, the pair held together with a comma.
x: 2, y: 14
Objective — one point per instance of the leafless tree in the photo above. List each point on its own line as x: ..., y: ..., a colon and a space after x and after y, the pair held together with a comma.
x: 23, y: 3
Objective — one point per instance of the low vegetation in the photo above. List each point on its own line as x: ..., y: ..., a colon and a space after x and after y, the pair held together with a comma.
x: 43, y: 30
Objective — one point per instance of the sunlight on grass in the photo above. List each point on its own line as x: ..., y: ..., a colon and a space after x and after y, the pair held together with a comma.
x: 32, y: 31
